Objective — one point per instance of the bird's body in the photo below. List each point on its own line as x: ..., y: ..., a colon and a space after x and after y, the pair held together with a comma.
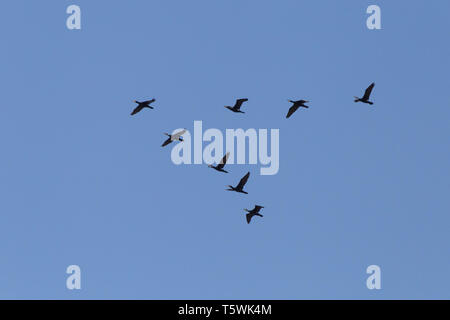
x: 173, y: 137
x: 142, y: 105
x: 253, y: 212
x: 295, y: 105
x: 240, y: 187
x: 365, y: 98
x: 222, y: 163
x: 237, y: 105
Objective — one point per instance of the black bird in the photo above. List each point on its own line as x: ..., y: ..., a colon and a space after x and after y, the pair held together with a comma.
x: 367, y: 93
x: 237, y: 105
x: 142, y: 105
x: 253, y: 212
x: 222, y: 163
x: 240, y: 186
x: 296, y: 104
x: 175, y: 137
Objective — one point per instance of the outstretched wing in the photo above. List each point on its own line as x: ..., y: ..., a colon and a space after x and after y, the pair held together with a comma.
x: 166, y: 142
x: 243, y: 181
x: 149, y: 101
x: 239, y: 103
x: 257, y: 208
x: 137, y: 109
x: 249, y: 217
x: 292, y: 110
x: 223, y: 161
x: 368, y: 92
x: 177, y: 135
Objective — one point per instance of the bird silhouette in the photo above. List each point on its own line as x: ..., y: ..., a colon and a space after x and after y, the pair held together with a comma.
x: 222, y: 163
x: 366, y: 96
x: 237, y: 105
x: 174, y: 137
x: 240, y: 186
x: 142, y: 105
x: 296, y: 104
x: 253, y: 212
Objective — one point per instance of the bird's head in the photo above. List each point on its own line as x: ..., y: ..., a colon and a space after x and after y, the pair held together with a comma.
x: 247, y: 210
x: 135, y: 101
x: 210, y: 166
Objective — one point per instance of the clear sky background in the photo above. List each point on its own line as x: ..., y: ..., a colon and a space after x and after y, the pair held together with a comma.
x: 82, y: 182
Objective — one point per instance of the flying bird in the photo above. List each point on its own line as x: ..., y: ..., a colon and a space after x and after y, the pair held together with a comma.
x: 173, y: 137
x: 366, y: 96
x: 237, y: 105
x: 253, y: 212
x: 222, y: 163
x: 142, y: 105
x: 240, y: 186
x: 296, y: 104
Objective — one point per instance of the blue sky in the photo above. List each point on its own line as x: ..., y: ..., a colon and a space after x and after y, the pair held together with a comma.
x: 84, y: 183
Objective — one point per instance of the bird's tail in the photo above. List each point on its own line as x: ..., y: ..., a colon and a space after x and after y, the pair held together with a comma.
x: 369, y: 102
x: 259, y: 215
